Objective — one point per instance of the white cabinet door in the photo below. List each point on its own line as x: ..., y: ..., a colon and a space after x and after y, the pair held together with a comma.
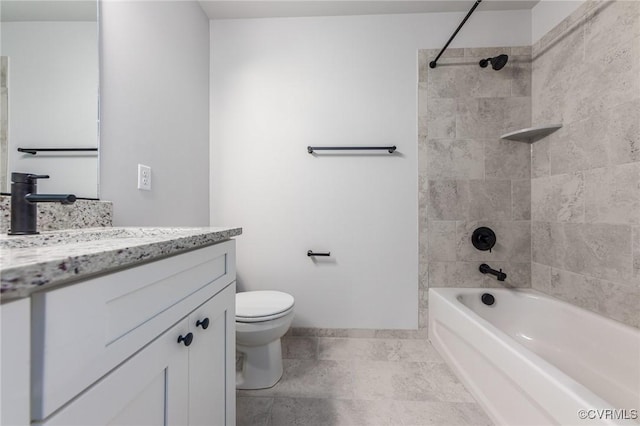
x: 212, y: 362
x: 15, y: 358
x: 151, y: 388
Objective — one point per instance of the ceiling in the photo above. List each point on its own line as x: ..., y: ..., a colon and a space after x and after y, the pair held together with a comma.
x: 243, y: 9
x: 85, y: 10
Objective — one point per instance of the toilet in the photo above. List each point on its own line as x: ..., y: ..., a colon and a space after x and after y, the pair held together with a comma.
x: 262, y: 318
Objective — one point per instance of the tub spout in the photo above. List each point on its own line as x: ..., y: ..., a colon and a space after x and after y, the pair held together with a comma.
x: 486, y: 269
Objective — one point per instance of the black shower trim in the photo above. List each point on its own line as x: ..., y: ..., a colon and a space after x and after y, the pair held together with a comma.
x: 433, y: 63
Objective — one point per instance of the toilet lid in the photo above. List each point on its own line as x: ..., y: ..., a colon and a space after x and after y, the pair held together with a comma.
x: 258, y: 304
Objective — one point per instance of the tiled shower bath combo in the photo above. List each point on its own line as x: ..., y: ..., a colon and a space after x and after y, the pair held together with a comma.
x: 566, y: 208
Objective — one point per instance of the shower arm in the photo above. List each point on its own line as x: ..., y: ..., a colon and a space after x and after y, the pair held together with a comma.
x: 433, y: 63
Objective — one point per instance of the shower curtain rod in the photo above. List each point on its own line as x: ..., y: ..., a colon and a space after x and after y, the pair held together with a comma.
x: 433, y: 63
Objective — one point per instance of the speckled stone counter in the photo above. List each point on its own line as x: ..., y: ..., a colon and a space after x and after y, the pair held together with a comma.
x: 56, y: 216
x: 35, y: 262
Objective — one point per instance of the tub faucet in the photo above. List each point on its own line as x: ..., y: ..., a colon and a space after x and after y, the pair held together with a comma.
x: 24, y: 196
x: 486, y: 269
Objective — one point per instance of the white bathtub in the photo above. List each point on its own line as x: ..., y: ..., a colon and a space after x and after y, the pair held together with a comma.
x: 530, y: 359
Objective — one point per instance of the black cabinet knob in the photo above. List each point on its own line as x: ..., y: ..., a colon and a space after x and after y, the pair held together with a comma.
x: 187, y: 339
x: 204, y: 323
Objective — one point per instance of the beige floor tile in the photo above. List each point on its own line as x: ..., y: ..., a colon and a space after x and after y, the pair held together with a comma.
x: 299, y: 347
x: 377, y: 349
x: 331, y: 412
x: 253, y: 411
x: 361, y: 381
x: 408, y: 381
x: 311, y: 379
x: 419, y: 413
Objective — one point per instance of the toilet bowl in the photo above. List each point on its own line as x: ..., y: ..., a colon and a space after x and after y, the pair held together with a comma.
x: 262, y: 318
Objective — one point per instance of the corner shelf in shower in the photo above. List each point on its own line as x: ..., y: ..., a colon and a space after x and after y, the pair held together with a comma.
x: 531, y: 134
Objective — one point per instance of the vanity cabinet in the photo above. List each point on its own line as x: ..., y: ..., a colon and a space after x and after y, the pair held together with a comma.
x: 167, y: 382
x: 14, y: 363
x: 149, y: 345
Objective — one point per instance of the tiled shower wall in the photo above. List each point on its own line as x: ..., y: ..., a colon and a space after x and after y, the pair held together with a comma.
x: 468, y: 176
x: 586, y: 176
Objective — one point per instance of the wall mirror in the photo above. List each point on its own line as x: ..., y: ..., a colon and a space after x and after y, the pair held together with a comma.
x: 49, y: 73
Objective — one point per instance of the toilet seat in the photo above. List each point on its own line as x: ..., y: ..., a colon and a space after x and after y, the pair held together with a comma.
x: 259, y: 306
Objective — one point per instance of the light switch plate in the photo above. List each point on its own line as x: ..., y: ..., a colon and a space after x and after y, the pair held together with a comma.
x: 144, y: 177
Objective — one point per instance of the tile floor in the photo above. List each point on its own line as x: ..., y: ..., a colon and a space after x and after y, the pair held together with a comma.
x: 360, y: 381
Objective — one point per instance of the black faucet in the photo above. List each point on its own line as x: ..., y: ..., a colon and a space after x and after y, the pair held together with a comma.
x: 24, y: 196
x: 486, y: 269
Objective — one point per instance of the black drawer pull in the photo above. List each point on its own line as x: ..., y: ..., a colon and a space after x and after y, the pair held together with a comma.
x: 204, y: 323
x: 186, y: 339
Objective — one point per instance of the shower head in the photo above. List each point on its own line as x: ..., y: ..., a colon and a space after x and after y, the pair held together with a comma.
x: 497, y: 63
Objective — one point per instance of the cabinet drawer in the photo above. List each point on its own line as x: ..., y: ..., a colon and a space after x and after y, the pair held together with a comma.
x: 83, y: 331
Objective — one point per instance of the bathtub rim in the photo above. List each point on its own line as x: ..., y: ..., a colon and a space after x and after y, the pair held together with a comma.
x: 581, y: 394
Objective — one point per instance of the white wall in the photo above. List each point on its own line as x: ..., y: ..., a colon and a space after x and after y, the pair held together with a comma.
x: 53, y: 101
x: 279, y: 85
x: 548, y: 13
x: 155, y: 111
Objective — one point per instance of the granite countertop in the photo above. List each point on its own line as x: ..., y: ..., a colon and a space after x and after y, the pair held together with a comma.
x: 35, y: 262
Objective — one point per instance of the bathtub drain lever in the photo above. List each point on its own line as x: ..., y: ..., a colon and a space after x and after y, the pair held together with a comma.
x: 486, y: 269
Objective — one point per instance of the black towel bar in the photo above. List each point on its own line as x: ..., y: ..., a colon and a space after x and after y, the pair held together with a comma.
x: 312, y: 149
x: 34, y: 151
x: 311, y: 253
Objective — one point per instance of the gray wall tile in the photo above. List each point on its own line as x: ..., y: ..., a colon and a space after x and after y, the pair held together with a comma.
x: 520, y: 68
x: 540, y: 163
x: 423, y: 117
x: 440, y: 117
x: 622, y: 132
x: 547, y: 243
x: 636, y: 255
x: 442, y: 241
x: 467, y: 79
x: 489, y: 200
x: 578, y: 146
x: 448, y: 199
x: 586, y: 75
x: 598, y: 250
x: 558, y: 198
x: 491, y: 117
x: 455, y: 159
x: 613, y: 194
x: 606, y: 78
x: 485, y: 52
x: 603, y: 26
x: 438, y: 274
x: 521, y: 199
x: 595, y: 250
x: 540, y: 276
x: 505, y: 159
x: 521, y: 51
x: 617, y: 301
